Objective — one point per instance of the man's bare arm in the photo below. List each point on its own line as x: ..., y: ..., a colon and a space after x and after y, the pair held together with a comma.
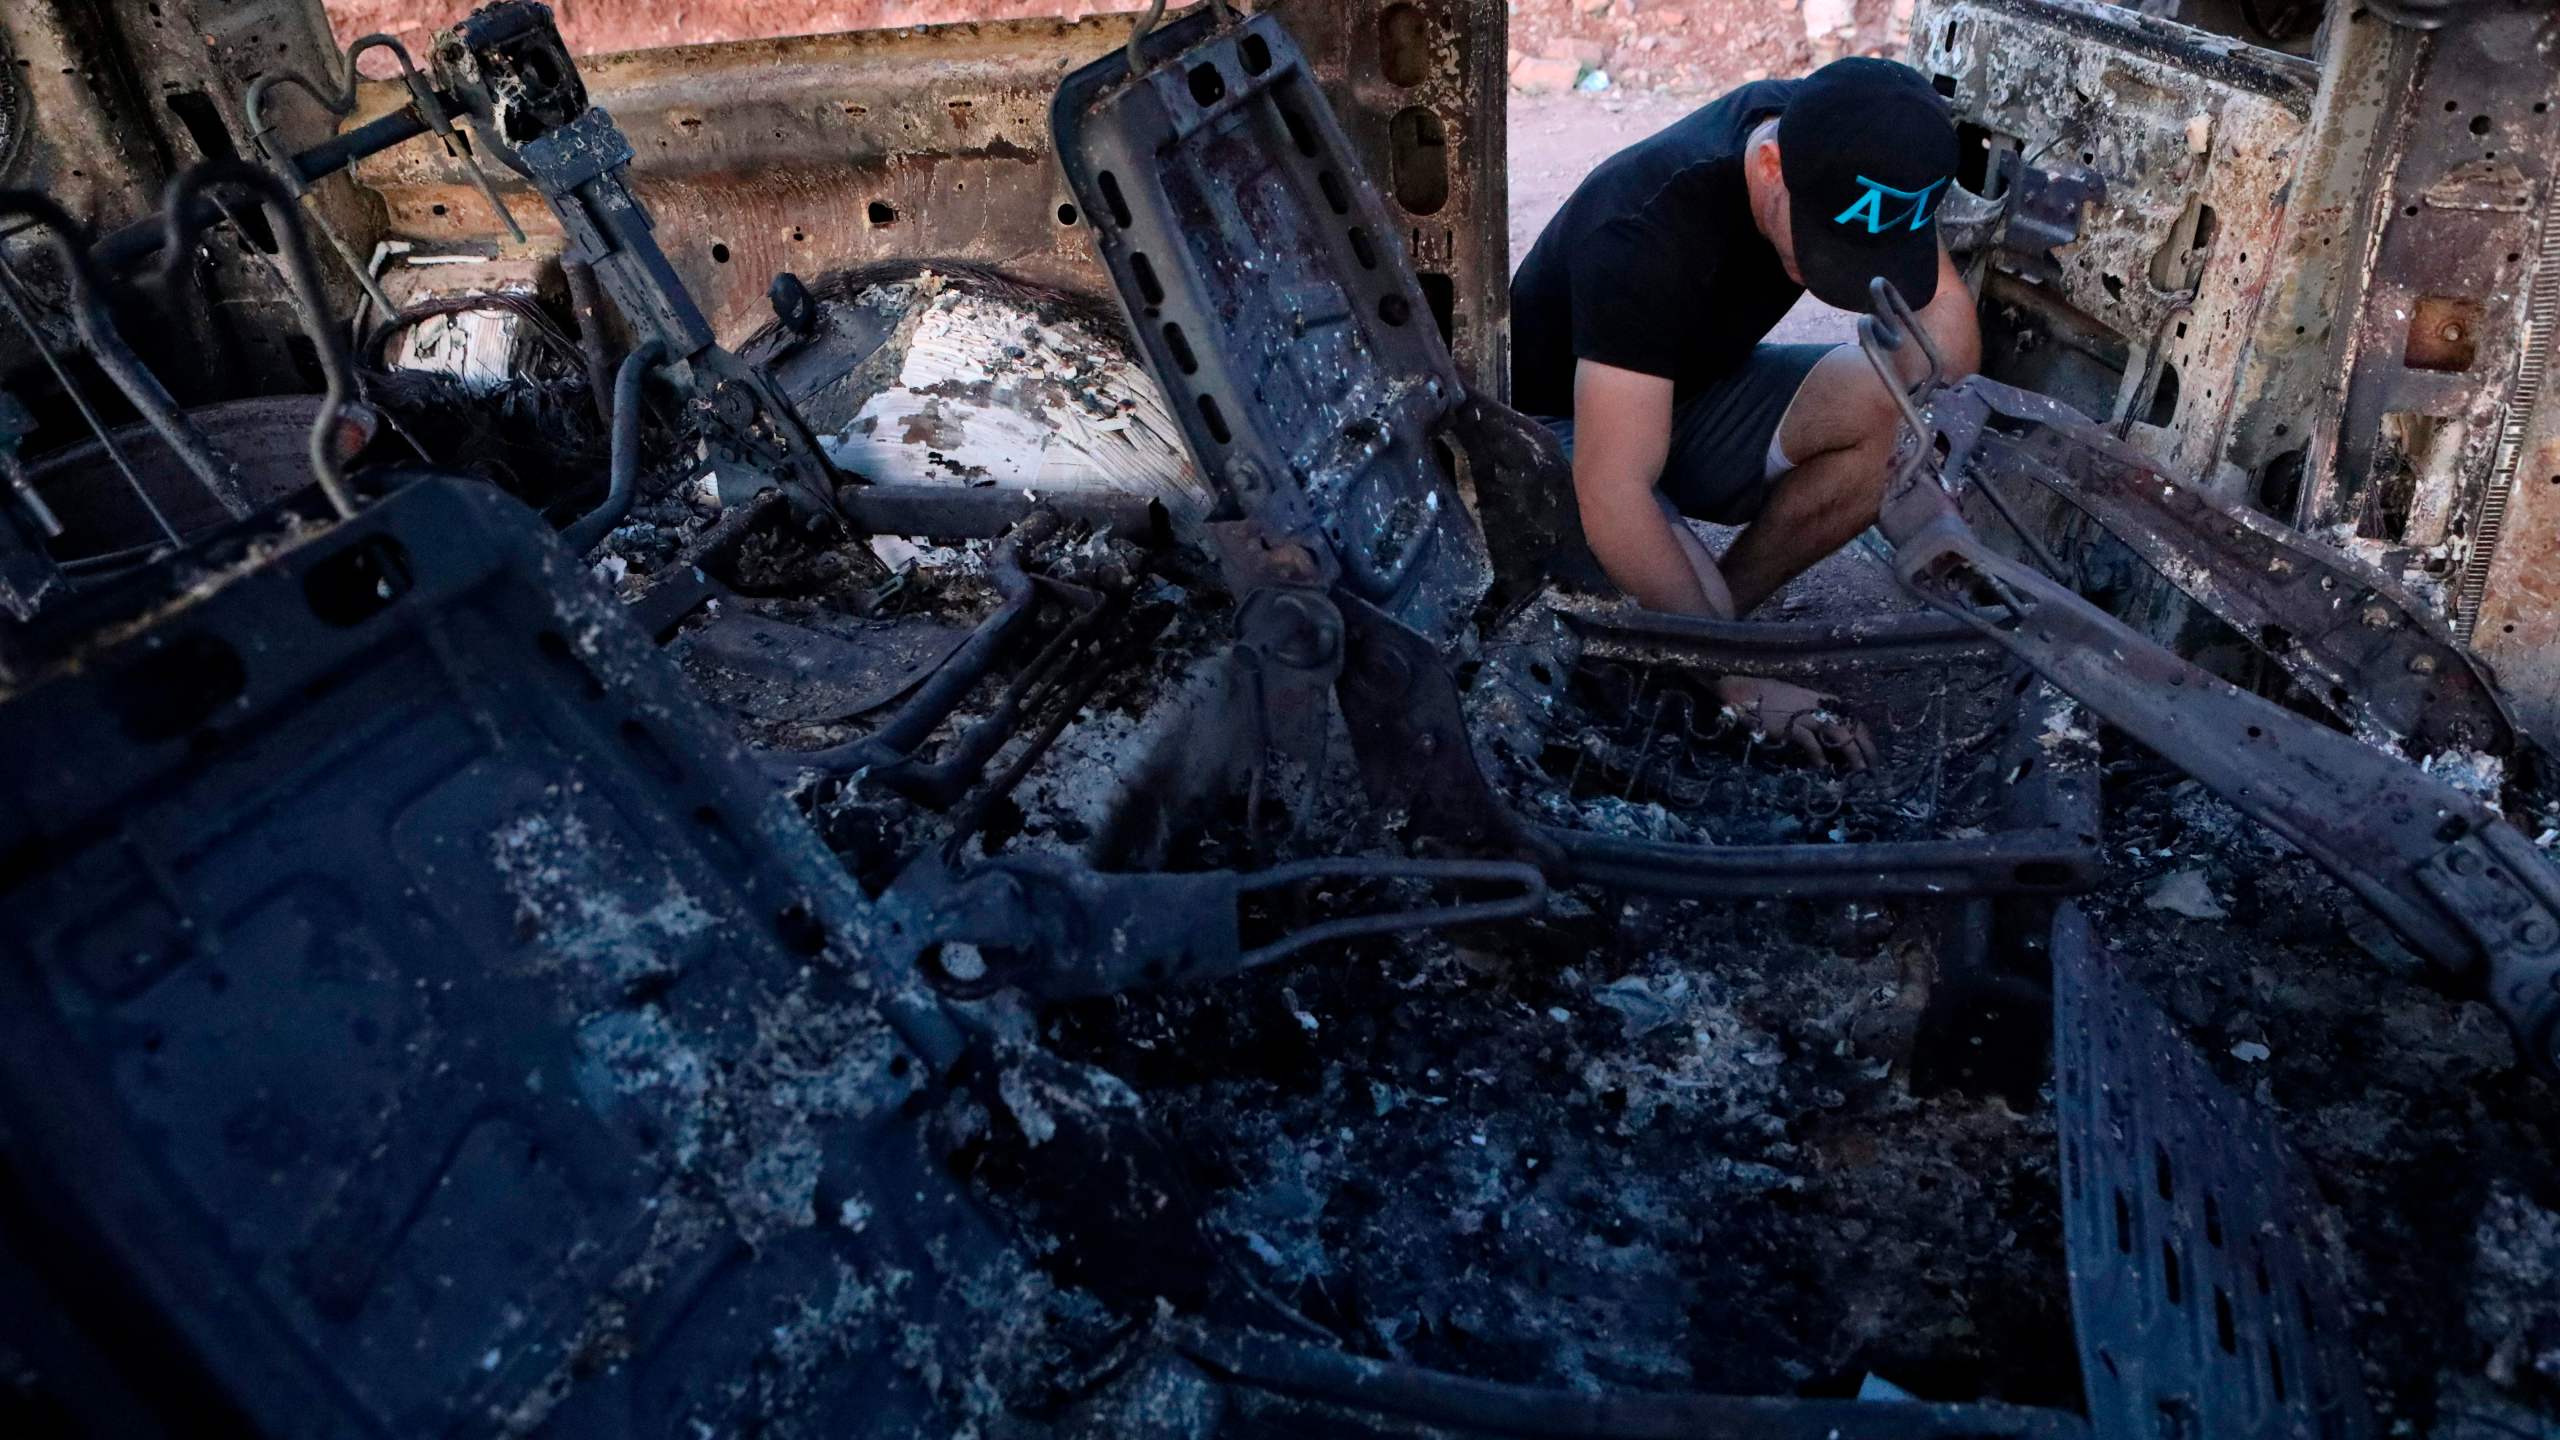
x: 1951, y: 321
x: 1621, y: 437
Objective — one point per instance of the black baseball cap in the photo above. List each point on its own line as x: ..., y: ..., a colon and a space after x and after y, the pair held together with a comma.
x: 1868, y: 152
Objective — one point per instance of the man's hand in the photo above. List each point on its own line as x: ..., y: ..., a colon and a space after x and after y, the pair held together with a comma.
x: 1806, y: 719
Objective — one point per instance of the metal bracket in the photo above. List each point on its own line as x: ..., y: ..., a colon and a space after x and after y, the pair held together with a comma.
x: 509, y: 69
x: 2503, y: 893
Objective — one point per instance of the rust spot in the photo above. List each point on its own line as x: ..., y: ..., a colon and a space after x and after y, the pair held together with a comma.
x: 1404, y: 45
x: 2444, y: 334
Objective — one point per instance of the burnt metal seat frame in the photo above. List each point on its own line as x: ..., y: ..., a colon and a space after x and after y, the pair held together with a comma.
x: 2461, y: 885
x: 1264, y: 281
x: 2206, y: 1288
x: 2349, y: 635
x: 2041, y: 838
x: 280, y: 796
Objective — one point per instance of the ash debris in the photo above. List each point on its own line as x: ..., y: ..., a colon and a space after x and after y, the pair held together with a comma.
x: 2408, y: 1103
x: 1595, y: 1150
x: 1599, y: 1174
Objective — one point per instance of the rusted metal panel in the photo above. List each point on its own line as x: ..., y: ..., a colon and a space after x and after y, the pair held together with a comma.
x: 2196, y: 137
x: 810, y: 154
x: 2285, y: 390
x: 1422, y: 90
x: 2432, y: 462
x: 828, y: 152
x: 2517, y: 622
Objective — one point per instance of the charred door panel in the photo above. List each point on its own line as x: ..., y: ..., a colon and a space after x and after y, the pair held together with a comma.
x: 2194, y: 136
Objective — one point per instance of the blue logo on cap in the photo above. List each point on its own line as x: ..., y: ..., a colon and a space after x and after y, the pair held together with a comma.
x: 1872, y: 206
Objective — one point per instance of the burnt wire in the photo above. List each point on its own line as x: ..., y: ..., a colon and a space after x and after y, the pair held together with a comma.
x: 1070, y: 702
x: 1531, y: 883
x: 525, y: 308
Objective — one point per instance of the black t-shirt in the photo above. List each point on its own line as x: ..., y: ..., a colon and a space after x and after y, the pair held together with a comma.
x: 1654, y: 265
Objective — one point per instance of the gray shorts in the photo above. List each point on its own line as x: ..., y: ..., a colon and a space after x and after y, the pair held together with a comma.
x: 1723, y: 433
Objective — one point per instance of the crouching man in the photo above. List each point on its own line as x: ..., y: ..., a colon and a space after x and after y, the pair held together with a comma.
x: 1639, y: 321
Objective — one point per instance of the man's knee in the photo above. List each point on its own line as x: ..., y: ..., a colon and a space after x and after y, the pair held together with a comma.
x: 1842, y: 407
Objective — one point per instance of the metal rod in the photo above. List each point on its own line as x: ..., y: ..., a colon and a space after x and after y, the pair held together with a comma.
x: 944, y: 781
x: 365, y: 277
x: 10, y: 290
x: 2000, y: 503
x: 371, y: 138
x: 293, y: 255
x: 1138, y: 37
x: 130, y: 245
x: 1531, y: 899
x: 338, y: 104
x: 942, y: 692
x: 97, y: 331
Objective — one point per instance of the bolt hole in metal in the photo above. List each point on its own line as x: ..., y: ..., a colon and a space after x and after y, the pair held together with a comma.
x: 1418, y: 156
x: 1144, y: 271
x: 1404, y: 45
x: 1113, y: 200
x: 1208, y: 84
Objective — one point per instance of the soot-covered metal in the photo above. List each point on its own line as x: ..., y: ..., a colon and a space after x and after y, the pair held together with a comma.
x: 983, y: 864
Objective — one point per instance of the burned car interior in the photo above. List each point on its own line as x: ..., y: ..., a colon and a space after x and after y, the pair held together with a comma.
x: 874, y: 734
